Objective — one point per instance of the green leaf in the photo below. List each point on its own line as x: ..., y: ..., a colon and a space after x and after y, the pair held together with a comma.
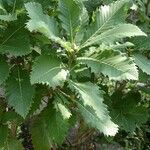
x: 11, y: 116
x: 2, y: 6
x: 42, y: 23
x: 106, y: 126
x: 115, y: 66
x: 3, y: 135
x: 40, y: 136
x: 44, y: 3
x: 13, y: 144
x: 37, y: 100
x: 15, y: 41
x: 64, y: 111
x: 60, y: 101
x: 116, y: 46
x: 49, y: 129
x: 91, y: 5
x: 4, y: 15
x: 4, y: 70
x: 126, y: 111
x: 13, y: 5
x: 48, y: 70
x: 19, y: 92
x: 106, y: 17
x: 69, y: 16
x: 39, y: 21
x: 115, y: 34
x: 93, y: 110
x: 2, y: 108
x: 141, y: 43
x: 83, y: 74
x: 57, y: 126
x: 8, y: 17
x: 142, y: 62
x: 84, y: 21
x: 143, y: 77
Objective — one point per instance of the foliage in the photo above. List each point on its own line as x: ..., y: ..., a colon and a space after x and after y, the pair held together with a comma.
x: 68, y: 61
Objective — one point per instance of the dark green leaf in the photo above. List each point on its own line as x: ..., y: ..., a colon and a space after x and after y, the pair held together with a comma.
x: 49, y: 129
x: 19, y: 92
x: 4, y: 70
x: 126, y: 112
x: 3, y: 135
x: 15, y: 41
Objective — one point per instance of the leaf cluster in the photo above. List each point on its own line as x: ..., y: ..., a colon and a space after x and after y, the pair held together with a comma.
x: 55, y: 59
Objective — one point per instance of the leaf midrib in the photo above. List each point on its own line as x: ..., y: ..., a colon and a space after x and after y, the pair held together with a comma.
x: 20, y: 88
x: 102, y: 62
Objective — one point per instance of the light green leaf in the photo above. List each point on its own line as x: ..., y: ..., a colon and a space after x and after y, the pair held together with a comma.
x: 142, y: 62
x: 42, y: 23
x: 64, y: 111
x: 39, y: 21
x: 93, y: 109
x: 84, y: 15
x: 116, y: 46
x: 19, y: 92
x: 8, y: 17
x: 5, y: 16
x: 48, y: 70
x: 106, y: 17
x: 116, y: 67
x: 69, y: 16
x: 49, y: 129
x: 106, y: 126
x: 2, y: 6
x: 60, y: 103
x: 112, y: 35
x: 4, y: 70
